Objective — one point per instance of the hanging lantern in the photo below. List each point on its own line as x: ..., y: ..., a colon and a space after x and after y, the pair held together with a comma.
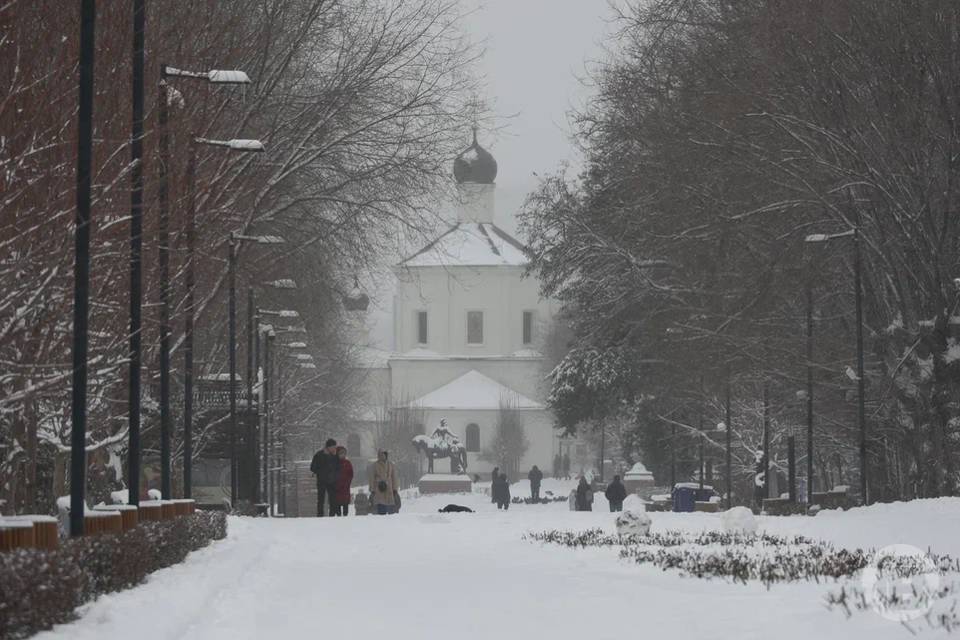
x: 356, y: 300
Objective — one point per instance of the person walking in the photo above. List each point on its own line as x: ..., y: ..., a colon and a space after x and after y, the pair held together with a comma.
x: 501, y: 492
x: 535, y: 477
x: 344, y: 480
x: 325, y: 465
x: 584, y: 496
x: 494, y: 477
x: 566, y: 466
x: 557, y: 465
x: 383, y: 485
x: 616, y: 493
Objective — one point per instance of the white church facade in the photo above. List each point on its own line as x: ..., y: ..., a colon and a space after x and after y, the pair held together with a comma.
x: 468, y: 331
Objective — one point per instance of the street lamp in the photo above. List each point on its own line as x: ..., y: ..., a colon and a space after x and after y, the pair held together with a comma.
x: 252, y: 319
x: 235, y: 145
x: 235, y: 240
x: 81, y: 270
x: 136, y: 257
x: 853, y: 233
x: 164, y: 96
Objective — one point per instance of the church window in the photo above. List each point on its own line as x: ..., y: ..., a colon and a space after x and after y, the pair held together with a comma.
x: 421, y: 327
x: 474, y: 327
x: 473, y: 437
x: 528, y: 327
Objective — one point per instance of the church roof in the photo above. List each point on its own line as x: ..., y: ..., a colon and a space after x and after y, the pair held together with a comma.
x: 473, y: 390
x: 471, y: 244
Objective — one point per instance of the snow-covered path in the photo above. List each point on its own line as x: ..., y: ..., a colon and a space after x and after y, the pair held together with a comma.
x: 427, y: 575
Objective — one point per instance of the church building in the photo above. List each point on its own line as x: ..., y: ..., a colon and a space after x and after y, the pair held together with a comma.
x: 468, y: 330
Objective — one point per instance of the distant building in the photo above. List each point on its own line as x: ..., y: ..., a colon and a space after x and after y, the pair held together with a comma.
x: 468, y: 330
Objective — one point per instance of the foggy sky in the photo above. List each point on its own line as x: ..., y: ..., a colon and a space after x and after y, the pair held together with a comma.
x: 535, y: 53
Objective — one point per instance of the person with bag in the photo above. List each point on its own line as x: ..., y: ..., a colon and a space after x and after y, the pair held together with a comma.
x: 616, y: 493
x: 384, y: 489
x: 344, y: 480
x: 584, y: 496
x: 325, y: 465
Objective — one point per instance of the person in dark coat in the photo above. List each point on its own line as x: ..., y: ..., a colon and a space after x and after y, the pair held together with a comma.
x: 501, y: 492
x: 494, y: 477
x: 344, y: 480
x: 584, y: 496
x: 616, y: 493
x: 535, y: 477
x: 325, y: 465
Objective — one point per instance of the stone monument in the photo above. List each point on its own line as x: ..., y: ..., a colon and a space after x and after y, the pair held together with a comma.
x: 443, y: 443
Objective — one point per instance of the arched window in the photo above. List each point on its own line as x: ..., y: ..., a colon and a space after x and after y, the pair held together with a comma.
x: 473, y: 437
x: 354, y: 448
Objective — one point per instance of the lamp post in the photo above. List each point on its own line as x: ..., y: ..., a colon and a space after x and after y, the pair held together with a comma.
x: 252, y: 322
x: 809, y: 397
x: 136, y: 258
x: 236, y: 145
x: 81, y: 271
x: 164, y: 96
x: 728, y: 428
x: 854, y: 233
x: 269, y: 332
x: 766, y: 444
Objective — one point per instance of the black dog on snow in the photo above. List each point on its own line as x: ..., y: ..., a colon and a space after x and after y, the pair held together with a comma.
x: 455, y: 508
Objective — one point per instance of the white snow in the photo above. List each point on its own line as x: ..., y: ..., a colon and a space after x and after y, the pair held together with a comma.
x: 473, y: 390
x: 225, y: 76
x: 470, y: 244
x: 633, y: 502
x: 471, y: 576
x: 738, y: 520
x: 633, y: 523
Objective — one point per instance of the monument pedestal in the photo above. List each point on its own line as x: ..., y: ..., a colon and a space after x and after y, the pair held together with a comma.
x: 445, y: 483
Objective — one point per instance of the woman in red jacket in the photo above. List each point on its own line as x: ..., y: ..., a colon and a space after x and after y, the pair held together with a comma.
x: 344, y: 479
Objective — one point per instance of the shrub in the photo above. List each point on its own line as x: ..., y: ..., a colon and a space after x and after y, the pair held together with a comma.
x: 39, y: 589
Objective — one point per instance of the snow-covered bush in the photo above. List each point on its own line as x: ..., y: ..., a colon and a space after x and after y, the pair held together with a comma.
x: 739, y: 520
x: 633, y: 523
x: 633, y: 502
x: 39, y: 589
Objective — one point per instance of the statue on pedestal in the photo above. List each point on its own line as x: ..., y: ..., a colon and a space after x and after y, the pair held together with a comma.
x: 442, y: 444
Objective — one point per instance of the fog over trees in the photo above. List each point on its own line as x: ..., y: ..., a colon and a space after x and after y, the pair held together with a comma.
x: 723, y: 134
x: 360, y: 104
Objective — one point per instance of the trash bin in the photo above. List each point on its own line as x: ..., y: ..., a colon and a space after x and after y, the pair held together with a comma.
x: 684, y: 498
x: 704, y: 495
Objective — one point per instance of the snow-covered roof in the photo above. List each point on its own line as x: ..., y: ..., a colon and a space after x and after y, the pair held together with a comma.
x: 638, y: 471
x: 470, y: 244
x: 473, y: 390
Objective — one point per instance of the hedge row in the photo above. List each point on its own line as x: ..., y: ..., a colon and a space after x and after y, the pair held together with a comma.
x: 39, y: 589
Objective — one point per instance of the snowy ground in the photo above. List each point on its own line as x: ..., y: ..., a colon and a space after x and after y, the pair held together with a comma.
x: 427, y: 575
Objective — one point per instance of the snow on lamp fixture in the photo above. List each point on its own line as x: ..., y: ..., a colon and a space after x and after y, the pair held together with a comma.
x: 227, y: 76
x: 237, y: 144
x: 214, y: 76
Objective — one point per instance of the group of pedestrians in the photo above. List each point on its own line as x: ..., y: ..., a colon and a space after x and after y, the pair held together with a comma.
x: 615, y: 493
x: 334, y: 473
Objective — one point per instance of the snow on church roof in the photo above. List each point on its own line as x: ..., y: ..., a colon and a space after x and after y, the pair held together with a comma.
x: 473, y: 390
x: 470, y: 244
